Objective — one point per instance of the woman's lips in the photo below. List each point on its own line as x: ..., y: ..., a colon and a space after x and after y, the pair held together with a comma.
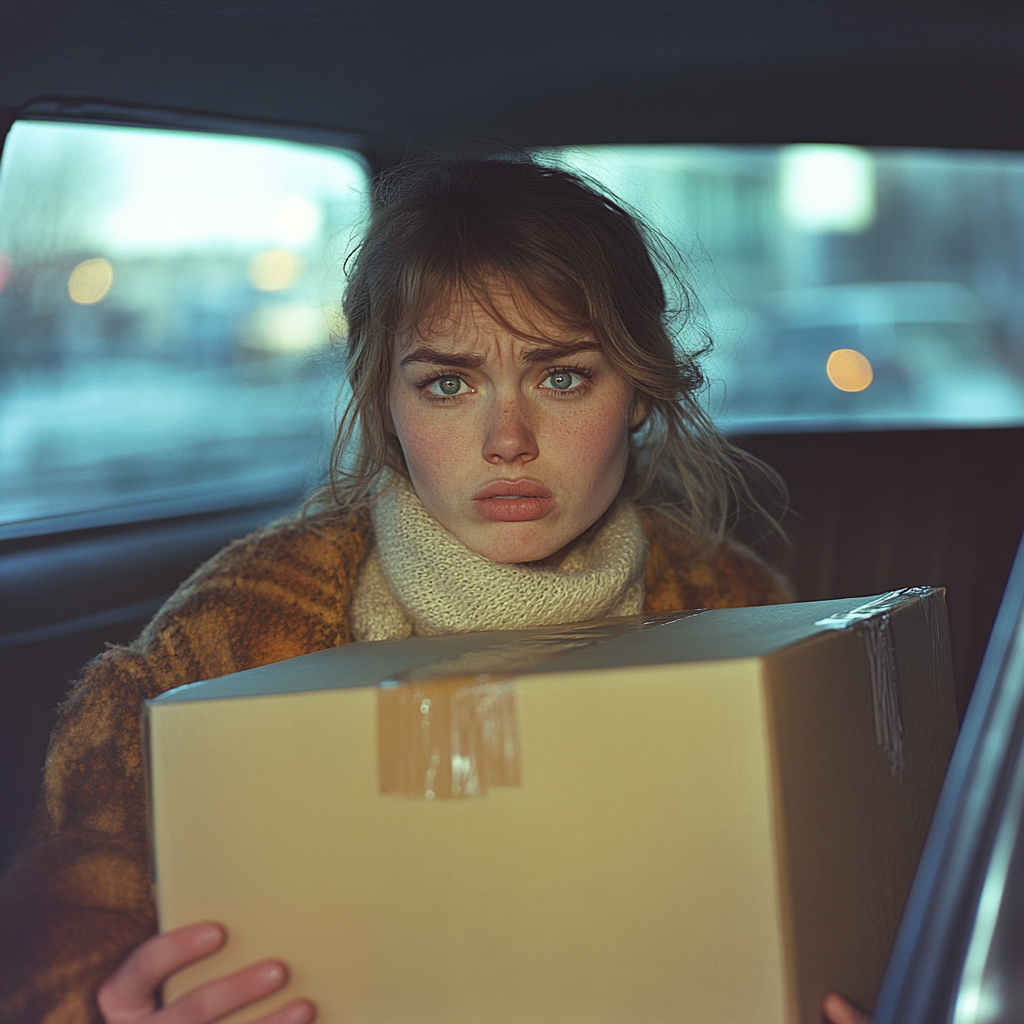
x: 513, y: 501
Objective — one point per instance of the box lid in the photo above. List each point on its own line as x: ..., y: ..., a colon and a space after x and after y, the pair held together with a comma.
x: 678, y: 637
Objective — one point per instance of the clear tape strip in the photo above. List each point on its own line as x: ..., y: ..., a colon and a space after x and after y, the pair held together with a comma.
x: 871, y: 619
x: 883, y: 603
x: 447, y: 728
x: 932, y: 611
x: 444, y: 739
x: 885, y: 696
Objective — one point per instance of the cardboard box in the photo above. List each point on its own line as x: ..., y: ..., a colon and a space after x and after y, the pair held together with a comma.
x: 709, y: 817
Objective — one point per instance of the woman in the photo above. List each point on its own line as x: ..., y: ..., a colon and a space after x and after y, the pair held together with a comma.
x: 523, y: 446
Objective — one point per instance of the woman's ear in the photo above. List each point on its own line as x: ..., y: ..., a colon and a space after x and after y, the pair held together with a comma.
x: 638, y: 413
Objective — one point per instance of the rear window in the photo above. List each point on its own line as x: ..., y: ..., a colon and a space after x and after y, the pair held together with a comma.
x: 169, y: 315
x: 845, y: 288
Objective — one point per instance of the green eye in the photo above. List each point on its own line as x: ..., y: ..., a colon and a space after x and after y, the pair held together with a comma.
x: 449, y: 385
x: 561, y: 380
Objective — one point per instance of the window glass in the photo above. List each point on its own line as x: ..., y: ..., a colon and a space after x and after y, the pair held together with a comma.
x: 844, y: 287
x: 169, y: 312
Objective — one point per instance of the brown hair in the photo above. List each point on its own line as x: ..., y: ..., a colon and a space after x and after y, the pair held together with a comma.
x: 555, y: 242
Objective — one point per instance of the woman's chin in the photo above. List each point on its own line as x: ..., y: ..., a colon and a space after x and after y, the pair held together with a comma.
x: 510, y: 543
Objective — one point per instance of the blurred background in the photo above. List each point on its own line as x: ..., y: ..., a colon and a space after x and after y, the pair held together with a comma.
x: 169, y: 314
x: 845, y: 288
x: 170, y: 318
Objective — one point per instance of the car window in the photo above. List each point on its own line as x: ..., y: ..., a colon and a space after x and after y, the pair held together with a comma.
x: 844, y: 287
x: 169, y: 315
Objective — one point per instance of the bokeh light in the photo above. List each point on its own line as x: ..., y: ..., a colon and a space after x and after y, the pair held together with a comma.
x: 273, y: 270
x: 849, y: 370
x: 90, y: 281
x: 287, y: 328
x: 295, y: 220
x: 828, y: 188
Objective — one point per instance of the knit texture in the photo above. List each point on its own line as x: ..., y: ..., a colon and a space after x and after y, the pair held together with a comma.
x: 420, y: 580
x: 77, y: 898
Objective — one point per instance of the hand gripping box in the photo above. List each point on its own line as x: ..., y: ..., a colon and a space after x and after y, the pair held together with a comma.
x: 703, y: 817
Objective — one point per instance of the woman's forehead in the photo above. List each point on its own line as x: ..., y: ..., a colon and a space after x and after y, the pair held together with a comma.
x: 500, y: 313
x: 472, y: 357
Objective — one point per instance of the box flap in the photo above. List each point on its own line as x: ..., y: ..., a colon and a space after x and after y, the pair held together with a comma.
x: 686, y: 636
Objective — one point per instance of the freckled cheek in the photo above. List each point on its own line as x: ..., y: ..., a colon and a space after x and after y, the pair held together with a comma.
x: 431, y: 445
x: 593, y: 443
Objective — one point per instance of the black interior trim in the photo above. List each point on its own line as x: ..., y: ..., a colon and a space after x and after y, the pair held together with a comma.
x: 58, y: 578
x: 144, y: 609
x: 376, y: 150
x: 434, y: 76
x: 190, y: 503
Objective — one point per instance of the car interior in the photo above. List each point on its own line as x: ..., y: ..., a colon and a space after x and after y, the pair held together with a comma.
x: 180, y: 184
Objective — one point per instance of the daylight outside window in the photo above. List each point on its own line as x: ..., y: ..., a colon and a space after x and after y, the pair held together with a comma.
x: 169, y: 315
x: 845, y: 288
x: 170, y: 320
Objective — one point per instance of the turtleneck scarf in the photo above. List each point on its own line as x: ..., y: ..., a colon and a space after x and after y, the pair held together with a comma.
x: 419, y: 580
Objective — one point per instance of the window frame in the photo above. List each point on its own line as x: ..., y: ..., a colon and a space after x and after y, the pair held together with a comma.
x: 373, y: 150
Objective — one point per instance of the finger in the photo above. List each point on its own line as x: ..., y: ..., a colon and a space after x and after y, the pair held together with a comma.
x: 130, y: 992
x: 302, y: 1011
x: 838, y: 1011
x: 218, y: 998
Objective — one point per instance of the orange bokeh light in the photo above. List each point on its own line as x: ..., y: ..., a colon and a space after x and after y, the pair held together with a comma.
x: 849, y: 370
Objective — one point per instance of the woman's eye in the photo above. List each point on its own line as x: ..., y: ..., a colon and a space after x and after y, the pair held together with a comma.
x: 563, y: 380
x: 446, y: 386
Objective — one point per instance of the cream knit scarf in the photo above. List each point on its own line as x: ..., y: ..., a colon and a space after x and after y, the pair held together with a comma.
x: 419, y: 580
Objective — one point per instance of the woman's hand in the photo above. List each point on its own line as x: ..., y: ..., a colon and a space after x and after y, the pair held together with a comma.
x: 838, y: 1011
x: 129, y: 995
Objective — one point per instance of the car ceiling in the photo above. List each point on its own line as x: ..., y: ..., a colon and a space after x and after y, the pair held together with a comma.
x: 437, y: 74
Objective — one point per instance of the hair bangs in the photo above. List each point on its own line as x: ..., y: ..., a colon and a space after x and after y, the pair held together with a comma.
x: 483, y: 261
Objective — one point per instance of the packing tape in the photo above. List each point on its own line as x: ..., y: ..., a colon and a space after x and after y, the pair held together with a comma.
x: 447, y: 739
x: 447, y: 729
x: 871, y: 620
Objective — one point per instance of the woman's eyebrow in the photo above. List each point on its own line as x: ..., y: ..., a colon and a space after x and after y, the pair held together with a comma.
x: 471, y: 361
x: 552, y: 353
x: 464, y: 360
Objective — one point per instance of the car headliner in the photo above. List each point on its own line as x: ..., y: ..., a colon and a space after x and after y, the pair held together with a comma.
x: 435, y: 73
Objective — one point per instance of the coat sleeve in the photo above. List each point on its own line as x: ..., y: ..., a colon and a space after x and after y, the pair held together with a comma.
x: 77, y: 897
x: 683, y: 573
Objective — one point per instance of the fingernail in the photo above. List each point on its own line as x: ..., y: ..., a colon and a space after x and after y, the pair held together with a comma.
x: 271, y: 974
x: 211, y: 935
x: 297, y: 1013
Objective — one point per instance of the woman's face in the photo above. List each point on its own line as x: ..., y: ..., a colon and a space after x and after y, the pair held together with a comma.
x: 515, y: 447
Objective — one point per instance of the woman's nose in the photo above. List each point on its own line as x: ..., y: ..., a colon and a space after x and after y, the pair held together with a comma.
x: 509, y: 436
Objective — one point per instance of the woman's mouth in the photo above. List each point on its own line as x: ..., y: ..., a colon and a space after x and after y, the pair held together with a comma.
x: 513, y: 501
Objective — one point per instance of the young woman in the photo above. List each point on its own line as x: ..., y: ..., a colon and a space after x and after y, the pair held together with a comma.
x: 523, y: 446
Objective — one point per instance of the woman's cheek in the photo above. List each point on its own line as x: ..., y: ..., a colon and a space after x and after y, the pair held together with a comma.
x: 432, y: 444
x: 597, y: 441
